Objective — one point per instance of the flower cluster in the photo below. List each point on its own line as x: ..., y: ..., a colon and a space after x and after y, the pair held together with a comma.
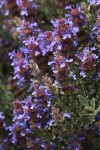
x: 52, y: 68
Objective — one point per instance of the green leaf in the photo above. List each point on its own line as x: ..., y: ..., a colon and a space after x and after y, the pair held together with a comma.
x: 73, y: 107
x: 98, y: 110
x: 89, y: 108
x: 83, y: 101
x: 86, y: 28
x: 83, y: 114
x: 93, y: 102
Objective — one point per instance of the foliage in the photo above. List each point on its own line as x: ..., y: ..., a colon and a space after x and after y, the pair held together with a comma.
x: 57, y: 70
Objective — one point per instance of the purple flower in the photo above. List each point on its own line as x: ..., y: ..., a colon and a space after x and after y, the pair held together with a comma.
x: 83, y: 74
x: 24, y: 12
x: 75, y: 30
x: 94, y: 56
x: 62, y: 65
x: 68, y: 115
x: 50, y: 122
x: 66, y: 36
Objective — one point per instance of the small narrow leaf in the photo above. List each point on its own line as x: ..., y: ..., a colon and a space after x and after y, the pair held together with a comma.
x: 89, y: 109
x: 83, y: 101
x: 93, y: 102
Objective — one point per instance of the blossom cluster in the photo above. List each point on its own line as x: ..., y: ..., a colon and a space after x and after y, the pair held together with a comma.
x: 52, y: 66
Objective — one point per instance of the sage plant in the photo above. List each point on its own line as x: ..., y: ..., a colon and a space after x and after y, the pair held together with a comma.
x: 59, y: 73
